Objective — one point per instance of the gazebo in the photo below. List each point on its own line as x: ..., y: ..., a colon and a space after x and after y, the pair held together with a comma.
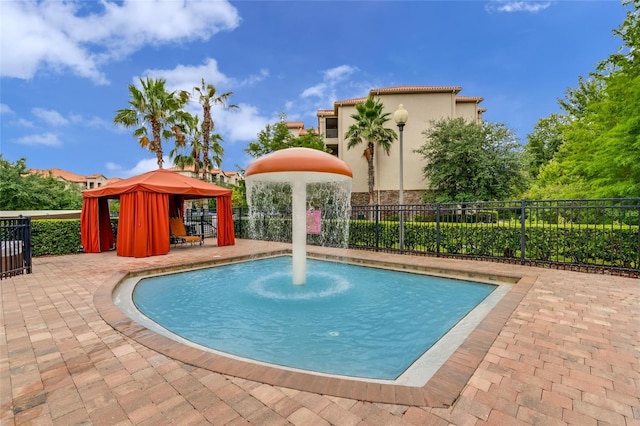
x: 146, y: 203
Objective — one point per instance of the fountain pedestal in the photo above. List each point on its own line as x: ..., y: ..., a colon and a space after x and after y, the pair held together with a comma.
x: 298, y: 167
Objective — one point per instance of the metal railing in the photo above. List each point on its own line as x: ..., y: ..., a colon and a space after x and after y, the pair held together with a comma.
x: 201, y: 222
x: 589, y: 235
x: 15, y: 247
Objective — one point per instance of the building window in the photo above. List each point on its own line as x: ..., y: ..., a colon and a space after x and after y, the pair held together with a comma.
x: 333, y: 150
x: 331, y: 128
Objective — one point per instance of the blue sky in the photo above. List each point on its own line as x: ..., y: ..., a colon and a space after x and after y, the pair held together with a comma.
x: 65, y: 66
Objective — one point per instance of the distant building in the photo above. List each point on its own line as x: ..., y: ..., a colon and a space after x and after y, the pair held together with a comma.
x: 424, y: 104
x: 296, y: 128
x: 216, y: 175
x: 83, y: 182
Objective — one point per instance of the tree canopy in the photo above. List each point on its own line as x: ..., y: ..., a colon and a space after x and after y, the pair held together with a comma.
x: 206, y: 149
x: 275, y: 137
x: 155, y: 113
x: 599, y: 151
x: 471, y: 161
x: 20, y: 190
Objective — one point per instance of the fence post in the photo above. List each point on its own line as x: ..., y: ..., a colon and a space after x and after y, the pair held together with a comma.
x: 27, y: 245
x: 202, y: 223
x: 438, y: 229
x: 522, y: 231
x: 377, y: 212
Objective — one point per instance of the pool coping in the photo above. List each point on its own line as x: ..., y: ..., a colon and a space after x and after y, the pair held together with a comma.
x: 442, y: 390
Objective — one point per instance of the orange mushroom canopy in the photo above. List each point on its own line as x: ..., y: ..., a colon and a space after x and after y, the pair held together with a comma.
x: 299, y: 160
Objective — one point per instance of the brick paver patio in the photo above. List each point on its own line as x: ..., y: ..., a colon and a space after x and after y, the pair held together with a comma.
x: 566, y: 352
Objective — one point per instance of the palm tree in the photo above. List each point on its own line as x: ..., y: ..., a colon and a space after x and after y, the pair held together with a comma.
x: 193, y: 141
x: 369, y: 128
x: 155, y: 109
x: 207, y: 97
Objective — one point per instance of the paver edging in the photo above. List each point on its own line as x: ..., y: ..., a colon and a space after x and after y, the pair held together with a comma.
x: 442, y: 390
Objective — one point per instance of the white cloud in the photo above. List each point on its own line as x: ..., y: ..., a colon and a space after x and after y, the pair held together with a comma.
x: 50, y: 117
x: 331, y: 78
x: 92, y: 122
x: 516, y: 6
x: 113, y: 166
x: 337, y: 83
x: 240, y: 125
x: 45, y: 139
x: 5, y: 109
x: 21, y: 122
x: 81, y: 36
x: 185, y: 77
x: 142, y: 166
x: 255, y: 78
x: 339, y: 73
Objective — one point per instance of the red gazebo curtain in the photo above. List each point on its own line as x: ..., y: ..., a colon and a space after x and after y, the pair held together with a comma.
x: 95, y: 225
x: 143, y: 228
x: 226, y: 233
x: 176, y: 206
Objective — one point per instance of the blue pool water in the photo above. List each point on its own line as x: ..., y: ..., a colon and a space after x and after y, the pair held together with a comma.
x: 346, y: 320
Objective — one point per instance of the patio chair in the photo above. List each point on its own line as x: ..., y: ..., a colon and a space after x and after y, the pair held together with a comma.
x: 178, y: 233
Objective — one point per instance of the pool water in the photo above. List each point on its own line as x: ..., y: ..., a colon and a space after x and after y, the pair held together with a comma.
x: 346, y: 320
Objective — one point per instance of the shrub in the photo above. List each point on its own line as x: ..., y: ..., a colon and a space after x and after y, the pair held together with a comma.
x: 55, y: 237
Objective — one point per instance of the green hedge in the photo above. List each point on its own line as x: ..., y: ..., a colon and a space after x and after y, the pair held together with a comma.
x: 55, y: 237
x: 588, y: 245
x: 593, y: 245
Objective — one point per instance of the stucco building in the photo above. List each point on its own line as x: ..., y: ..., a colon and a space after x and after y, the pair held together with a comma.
x: 216, y: 176
x: 424, y: 105
x: 83, y: 182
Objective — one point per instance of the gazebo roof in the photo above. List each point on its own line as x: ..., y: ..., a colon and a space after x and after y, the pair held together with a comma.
x: 161, y: 181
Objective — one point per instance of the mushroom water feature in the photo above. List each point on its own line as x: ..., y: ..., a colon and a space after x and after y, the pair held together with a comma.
x: 299, y: 168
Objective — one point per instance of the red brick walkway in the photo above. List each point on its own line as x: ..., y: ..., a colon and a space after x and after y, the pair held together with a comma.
x: 568, y: 354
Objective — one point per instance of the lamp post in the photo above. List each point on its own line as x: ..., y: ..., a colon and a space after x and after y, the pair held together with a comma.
x: 400, y: 116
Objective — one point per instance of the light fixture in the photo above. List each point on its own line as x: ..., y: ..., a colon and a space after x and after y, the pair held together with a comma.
x: 401, y: 116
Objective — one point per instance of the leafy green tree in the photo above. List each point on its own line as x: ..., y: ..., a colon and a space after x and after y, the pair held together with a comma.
x: 369, y: 128
x: 155, y: 113
x: 471, y: 161
x: 275, y: 137
x: 212, y: 150
x: 311, y: 139
x: 21, y: 190
x: 600, y: 155
x: 544, y: 142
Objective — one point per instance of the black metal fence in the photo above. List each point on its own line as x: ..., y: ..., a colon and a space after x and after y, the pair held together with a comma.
x: 590, y: 235
x: 15, y: 246
x: 201, y: 222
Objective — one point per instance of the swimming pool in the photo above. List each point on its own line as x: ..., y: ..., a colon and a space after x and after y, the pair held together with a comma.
x: 347, y: 320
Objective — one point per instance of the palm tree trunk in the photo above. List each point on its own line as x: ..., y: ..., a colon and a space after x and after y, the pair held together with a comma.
x: 157, y: 142
x: 206, y: 131
x: 371, y: 171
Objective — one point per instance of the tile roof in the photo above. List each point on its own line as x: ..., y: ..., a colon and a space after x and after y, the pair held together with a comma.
x: 353, y: 101
x: 394, y: 90
x: 113, y: 180
x: 294, y: 124
x: 189, y: 168
x: 469, y: 99
x: 414, y: 89
x: 59, y: 173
